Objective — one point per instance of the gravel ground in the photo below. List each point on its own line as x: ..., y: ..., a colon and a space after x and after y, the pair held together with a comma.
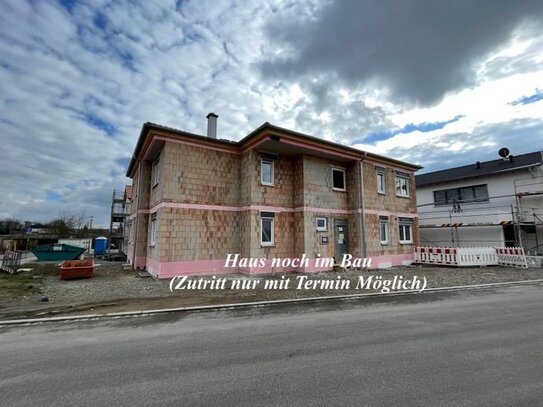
x: 113, y: 289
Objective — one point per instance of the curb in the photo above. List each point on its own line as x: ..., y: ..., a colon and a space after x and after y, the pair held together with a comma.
x: 256, y: 304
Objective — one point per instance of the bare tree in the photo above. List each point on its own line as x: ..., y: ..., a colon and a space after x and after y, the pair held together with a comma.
x: 64, y: 225
x: 81, y: 220
x: 11, y: 226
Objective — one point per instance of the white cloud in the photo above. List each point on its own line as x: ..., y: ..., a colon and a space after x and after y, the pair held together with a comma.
x: 75, y: 94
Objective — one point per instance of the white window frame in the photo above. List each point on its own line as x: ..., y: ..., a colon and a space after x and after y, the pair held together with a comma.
x: 406, y: 226
x: 380, y: 175
x: 156, y: 171
x: 272, y: 240
x: 321, y: 228
x: 342, y: 170
x: 402, y: 178
x: 383, y: 220
x: 152, y: 230
x: 271, y: 161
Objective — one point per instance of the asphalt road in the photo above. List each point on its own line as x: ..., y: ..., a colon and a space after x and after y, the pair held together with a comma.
x: 480, y: 348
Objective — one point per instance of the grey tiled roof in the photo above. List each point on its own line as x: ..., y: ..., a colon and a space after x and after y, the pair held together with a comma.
x: 484, y: 168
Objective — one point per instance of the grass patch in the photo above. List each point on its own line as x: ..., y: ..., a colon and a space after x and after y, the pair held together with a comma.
x: 26, y: 283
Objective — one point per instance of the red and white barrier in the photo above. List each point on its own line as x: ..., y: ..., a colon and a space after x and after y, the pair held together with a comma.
x: 511, y: 257
x: 437, y: 255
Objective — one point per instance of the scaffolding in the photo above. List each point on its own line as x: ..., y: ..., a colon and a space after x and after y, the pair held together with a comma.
x: 120, y: 202
x: 529, y: 217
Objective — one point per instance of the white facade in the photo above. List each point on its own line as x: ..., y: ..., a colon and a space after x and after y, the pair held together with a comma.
x: 505, y: 218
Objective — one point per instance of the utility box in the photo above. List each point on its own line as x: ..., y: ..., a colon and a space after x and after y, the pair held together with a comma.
x: 72, y: 269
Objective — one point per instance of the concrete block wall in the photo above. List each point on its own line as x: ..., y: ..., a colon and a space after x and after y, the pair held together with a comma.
x: 281, y: 194
x: 194, y: 234
x: 389, y: 201
x: 198, y: 175
x: 318, y: 191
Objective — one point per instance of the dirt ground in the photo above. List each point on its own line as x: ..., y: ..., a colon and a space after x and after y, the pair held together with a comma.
x: 113, y: 289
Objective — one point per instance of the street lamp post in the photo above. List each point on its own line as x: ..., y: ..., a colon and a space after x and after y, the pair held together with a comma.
x: 90, y: 234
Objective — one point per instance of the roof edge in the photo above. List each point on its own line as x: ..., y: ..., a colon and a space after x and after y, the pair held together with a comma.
x: 147, y: 126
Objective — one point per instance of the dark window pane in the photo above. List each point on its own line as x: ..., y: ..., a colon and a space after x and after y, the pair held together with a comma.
x: 481, y: 192
x: 266, y: 230
x: 338, y: 179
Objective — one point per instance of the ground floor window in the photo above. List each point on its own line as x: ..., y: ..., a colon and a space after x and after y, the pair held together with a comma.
x: 267, y: 225
x: 383, y: 229
x: 406, y: 230
x: 152, y: 230
x: 322, y: 224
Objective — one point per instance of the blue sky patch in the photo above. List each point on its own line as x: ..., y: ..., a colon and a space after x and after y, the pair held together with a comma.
x: 53, y: 196
x: 67, y: 4
x: 408, y: 128
x: 526, y: 100
x: 100, y: 20
x: 103, y: 125
x: 123, y: 162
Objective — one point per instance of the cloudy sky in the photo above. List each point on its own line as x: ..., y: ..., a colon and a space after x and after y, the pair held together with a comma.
x: 434, y: 83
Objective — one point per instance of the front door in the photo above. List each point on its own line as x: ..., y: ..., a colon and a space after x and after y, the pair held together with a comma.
x: 341, y: 236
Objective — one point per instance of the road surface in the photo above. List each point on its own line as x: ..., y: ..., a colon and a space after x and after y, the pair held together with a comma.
x: 479, y: 347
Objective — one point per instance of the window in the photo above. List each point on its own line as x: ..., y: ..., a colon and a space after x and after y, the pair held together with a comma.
x: 383, y: 229
x: 406, y: 230
x: 267, y: 228
x: 380, y: 173
x: 402, y: 184
x: 477, y: 193
x: 338, y: 179
x: 152, y: 230
x: 322, y: 224
x: 266, y: 171
x: 156, y: 171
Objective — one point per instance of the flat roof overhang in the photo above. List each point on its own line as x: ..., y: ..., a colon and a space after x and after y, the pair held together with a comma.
x: 281, y: 145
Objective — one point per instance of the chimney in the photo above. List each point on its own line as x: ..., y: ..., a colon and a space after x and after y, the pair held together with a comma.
x: 478, y: 164
x: 212, y: 125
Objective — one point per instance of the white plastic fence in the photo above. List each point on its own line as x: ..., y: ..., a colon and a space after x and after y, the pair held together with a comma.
x: 471, y: 256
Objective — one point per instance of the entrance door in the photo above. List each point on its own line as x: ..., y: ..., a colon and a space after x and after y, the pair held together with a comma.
x: 341, y: 236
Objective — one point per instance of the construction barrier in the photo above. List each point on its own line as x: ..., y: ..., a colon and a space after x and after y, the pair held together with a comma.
x: 10, y: 261
x: 477, y: 256
x: 437, y: 255
x: 511, y: 257
x: 471, y: 256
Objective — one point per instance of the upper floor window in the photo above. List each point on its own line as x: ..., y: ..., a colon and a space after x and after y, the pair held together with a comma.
x: 338, y: 179
x: 266, y: 171
x: 402, y: 184
x: 381, y: 186
x: 451, y: 196
x: 156, y: 171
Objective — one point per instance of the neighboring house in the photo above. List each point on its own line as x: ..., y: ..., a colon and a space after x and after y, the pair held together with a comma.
x: 274, y: 194
x: 491, y: 203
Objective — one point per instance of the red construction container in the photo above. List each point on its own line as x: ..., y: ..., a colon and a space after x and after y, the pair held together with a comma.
x: 71, y: 269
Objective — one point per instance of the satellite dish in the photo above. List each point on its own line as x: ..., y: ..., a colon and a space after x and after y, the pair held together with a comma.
x: 503, y: 152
